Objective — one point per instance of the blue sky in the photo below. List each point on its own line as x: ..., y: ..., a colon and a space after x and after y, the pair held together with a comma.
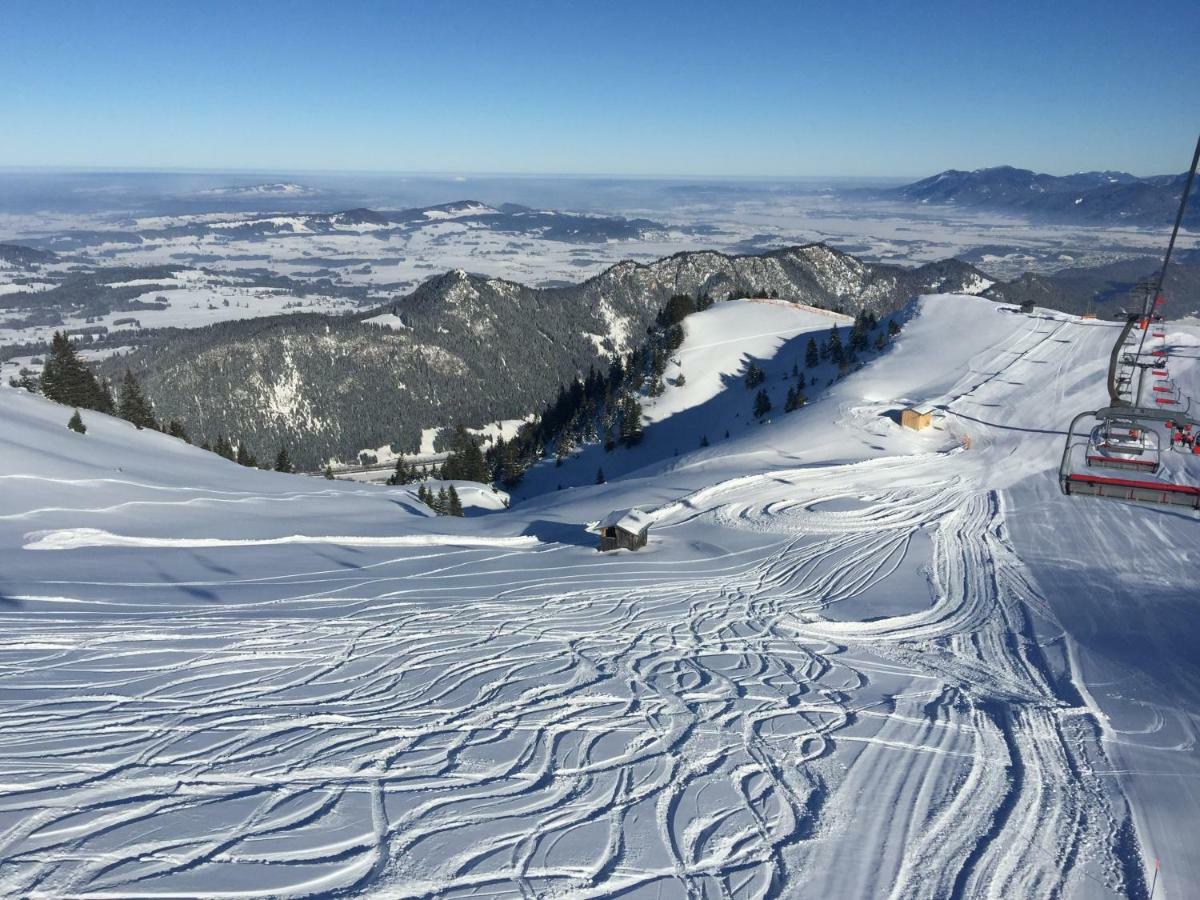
x: 724, y: 89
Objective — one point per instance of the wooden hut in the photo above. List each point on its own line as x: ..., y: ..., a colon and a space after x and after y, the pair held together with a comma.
x: 623, y: 528
x: 918, y: 418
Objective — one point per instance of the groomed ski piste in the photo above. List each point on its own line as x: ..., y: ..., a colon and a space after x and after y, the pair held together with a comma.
x: 852, y: 661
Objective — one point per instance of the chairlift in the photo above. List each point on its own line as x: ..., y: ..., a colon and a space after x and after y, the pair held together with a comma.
x: 1126, y: 434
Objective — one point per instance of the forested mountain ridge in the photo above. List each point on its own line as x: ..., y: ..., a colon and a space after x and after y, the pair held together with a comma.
x: 463, y: 349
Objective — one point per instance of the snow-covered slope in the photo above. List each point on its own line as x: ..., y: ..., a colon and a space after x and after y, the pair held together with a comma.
x: 852, y: 661
x: 720, y: 342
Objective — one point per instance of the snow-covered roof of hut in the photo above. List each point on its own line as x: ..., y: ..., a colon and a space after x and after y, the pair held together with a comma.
x: 632, y: 520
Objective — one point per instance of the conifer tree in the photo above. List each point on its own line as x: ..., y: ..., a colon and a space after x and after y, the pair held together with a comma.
x: 509, y: 463
x: 76, y: 423
x: 329, y: 472
x: 223, y: 447
x: 858, y: 334
x: 881, y: 342
x: 893, y: 328
x: 600, y: 476
x: 704, y: 441
x: 754, y: 375
x: 245, y: 457
x: 631, y: 421
x: 466, y: 462
x: 812, y: 354
x: 401, y: 475
x: 283, y: 462
x: 132, y: 405
x: 65, y: 379
x: 762, y: 404
x: 836, y: 352
x: 176, y: 430
x: 795, y: 400
x: 454, y: 507
x: 440, y: 504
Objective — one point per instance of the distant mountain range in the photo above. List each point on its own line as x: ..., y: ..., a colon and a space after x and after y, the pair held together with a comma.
x: 466, y: 349
x: 1099, y: 198
x: 277, y: 189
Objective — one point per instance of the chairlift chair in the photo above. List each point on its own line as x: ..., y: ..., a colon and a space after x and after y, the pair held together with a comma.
x: 1124, y: 443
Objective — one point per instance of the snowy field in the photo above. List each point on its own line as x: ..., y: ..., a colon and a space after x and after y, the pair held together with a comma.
x: 189, y: 299
x: 853, y: 661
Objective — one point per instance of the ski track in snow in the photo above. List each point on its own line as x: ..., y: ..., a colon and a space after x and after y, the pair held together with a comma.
x: 454, y: 720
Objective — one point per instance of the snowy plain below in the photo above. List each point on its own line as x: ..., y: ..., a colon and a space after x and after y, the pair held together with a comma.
x: 853, y: 660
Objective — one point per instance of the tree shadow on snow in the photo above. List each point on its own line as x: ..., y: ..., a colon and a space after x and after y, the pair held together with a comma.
x: 194, y: 591
x: 550, y: 532
x: 344, y: 563
x: 212, y: 566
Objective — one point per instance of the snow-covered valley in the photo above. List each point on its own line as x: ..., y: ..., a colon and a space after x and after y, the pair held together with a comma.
x: 854, y: 660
